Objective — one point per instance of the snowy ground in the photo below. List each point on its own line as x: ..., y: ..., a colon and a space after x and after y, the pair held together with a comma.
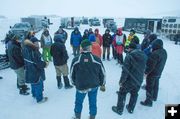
x: 61, y: 102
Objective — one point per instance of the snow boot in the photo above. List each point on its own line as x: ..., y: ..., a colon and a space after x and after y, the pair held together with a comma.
x: 92, y: 117
x: 59, y: 83
x: 128, y: 109
x: 23, y: 90
x: 115, y: 109
x: 66, y: 82
x: 43, y: 100
x: 1, y: 77
x: 147, y: 103
x: 77, y: 116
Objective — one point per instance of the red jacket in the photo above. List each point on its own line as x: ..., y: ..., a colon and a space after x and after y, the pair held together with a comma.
x: 119, y: 42
x: 99, y: 39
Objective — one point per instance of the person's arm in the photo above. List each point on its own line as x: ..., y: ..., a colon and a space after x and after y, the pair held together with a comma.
x: 151, y: 63
x: 102, y: 75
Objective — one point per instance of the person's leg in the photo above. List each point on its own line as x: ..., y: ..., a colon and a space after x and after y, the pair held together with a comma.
x: 121, y: 58
x: 49, y: 54
x: 38, y: 89
x: 104, y: 52
x: 78, y: 50
x: 156, y: 89
x: 108, y: 53
x: 65, y: 72
x: 121, y: 100
x: 92, y: 96
x: 44, y: 54
x: 58, y: 77
x: 74, y: 51
x: 133, y: 100
x: 79, y: 103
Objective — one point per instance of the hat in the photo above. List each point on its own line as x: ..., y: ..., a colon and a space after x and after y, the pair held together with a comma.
x: 133, y: 31
x: 132, y: 46
x: 85, y: 43
x: 157, y: 44
x: 58, y: 38
x: 148, y: 32
x: 152, y: 37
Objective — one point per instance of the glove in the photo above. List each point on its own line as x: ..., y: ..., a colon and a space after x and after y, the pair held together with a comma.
x: 103, y: 88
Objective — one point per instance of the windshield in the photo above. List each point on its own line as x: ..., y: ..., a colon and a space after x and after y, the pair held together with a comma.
x: 21, y: 25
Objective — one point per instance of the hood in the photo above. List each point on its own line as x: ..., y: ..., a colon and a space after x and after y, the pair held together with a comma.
x: 119, y: 31
x: 86, y: 31
x: 97, y: 30
x: 157, y: 44
x: 59, y: 38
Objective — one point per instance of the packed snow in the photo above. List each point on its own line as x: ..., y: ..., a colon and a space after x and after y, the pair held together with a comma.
x: 61, y: 102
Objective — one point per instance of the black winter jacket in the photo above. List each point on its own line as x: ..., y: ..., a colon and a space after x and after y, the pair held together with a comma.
x: 156, y: 63
x: 15, y: 55
x: 59, y: 53
x: 87, y: 71
x: 107, y: 40
x: 133, y: 69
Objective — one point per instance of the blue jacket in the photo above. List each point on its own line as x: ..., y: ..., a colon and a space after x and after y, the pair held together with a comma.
x: 76, y: 39
x: 34, y: 66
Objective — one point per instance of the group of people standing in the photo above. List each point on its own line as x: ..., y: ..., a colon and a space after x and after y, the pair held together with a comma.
x: 87, y: 71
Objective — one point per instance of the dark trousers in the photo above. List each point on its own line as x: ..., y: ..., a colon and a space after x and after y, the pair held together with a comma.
x: 114, y: 52
x: 152, y: 87
x: 92, y: 96
x: 120, y: 58
x: 76, y: 50
x: 122, y: 98
x: 104, y: 52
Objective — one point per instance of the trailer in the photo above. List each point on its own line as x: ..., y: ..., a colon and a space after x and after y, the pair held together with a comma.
x: 142, y: 24
x: 70, y: 22
x: 171, y: 27
x: 36, y: 23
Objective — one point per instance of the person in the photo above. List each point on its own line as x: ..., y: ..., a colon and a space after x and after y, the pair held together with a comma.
x: 90, y: 31
x: 96, y: 49
x: 135, y: 40
x: 107, y: 41
x: 153, y: 72
x: 145, y: 41
x: 46, y: 42
x: 148, y: 50
x: 118, y: 43
x: 17, y: 63
x: 85, y: 35
x: 62, y: 32
x: 75, y: 41
x: 34, y: 67
x: 87, y: 74
x: 177, y: 38
x: 60, y: 57
x: 131, y: 79
x: 1, y: 77
x: 131, y: 35
x: 99, y: 39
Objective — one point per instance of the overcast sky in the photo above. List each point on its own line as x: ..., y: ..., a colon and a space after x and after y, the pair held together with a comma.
x: 115, y: 8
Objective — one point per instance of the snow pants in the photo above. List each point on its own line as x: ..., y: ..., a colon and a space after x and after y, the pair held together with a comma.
x: 152, y: 87
x: 37, y: 90
x: 92, y: 96
x: 76, y: 50
x: 122, y: 98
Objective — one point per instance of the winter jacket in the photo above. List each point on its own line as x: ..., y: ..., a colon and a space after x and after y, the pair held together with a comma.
x: 85, y: 35
x: 156, y: 60
x: 46, y: 41
x: 99, y: 39
x: 107, y: 40
x: 75, y: 39
x: 133, y: 69
x: 34, y: 66
x: 87, y: 71
x: 96, y: 49
x: 59, y: 53
x: 144, y: 44
x: 15, y: 55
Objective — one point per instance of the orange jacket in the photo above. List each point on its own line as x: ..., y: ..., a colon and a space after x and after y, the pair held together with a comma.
x: 96, y: 49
